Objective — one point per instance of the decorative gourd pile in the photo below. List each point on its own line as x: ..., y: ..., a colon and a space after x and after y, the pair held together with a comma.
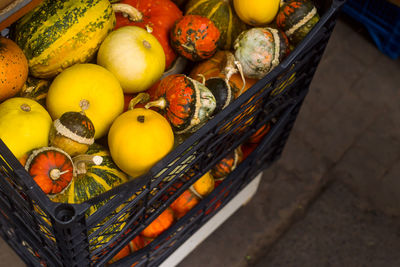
x: 70, y: 101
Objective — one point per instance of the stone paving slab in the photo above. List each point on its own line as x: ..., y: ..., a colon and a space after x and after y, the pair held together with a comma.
x: 8, y: 257
x: 335, y: 232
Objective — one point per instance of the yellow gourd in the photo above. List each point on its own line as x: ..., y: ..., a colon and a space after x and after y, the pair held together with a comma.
x: 138, y: 139
x: 24, y: 125
x: 203, y: 186
x: 87, y: 87
x: 256, y: 12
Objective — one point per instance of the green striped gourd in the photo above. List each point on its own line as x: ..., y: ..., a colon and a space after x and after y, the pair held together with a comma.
x: 58, y: 34
x: 96, y: 173
x: 36, y: 89
x: 222, y: 13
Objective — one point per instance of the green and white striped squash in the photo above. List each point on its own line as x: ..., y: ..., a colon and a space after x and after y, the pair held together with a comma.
x: 222, y: 14
x: 58, y: 34
x: 92, y: 179
x: 95, y: 174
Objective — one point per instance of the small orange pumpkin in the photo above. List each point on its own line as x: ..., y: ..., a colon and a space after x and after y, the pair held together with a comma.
x: 160, y: 224
x: 247, y: 149
x: 51, y: 168
x: 256, y: 137
x: 184, y: 203
x: 14, y: 68
x: 125, y: 251
x: 135, y: 244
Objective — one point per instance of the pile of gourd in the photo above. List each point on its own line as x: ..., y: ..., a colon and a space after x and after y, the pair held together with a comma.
x: 94, y: 93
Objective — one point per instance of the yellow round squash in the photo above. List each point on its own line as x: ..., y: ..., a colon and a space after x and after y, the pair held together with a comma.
x: 89, y: 87
x: 138, y: 139
x: 256, y: 12
x: 24, y: 125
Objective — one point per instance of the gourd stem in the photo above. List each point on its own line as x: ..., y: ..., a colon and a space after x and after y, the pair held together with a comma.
x: 203, y: 78
x: 188, y: 47
x: 84, y: 105
x: 159, y: 103
x: 230, y: 66
x: 149, y: 29
x: 81, y: 162
x: 128, y: 11
x: 239, y: 66
x: 55, y: 174
x: 29, y: 89
x: 140, y: 98
x: 25, y: 107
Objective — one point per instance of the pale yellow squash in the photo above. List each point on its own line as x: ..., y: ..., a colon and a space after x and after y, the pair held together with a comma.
x: 134, y: 56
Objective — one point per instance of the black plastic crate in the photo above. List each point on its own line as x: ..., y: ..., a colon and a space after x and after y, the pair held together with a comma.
x: 42, y: 231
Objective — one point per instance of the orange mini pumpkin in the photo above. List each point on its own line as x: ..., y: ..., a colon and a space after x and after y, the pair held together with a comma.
x: 184, y: 203
x: 258, y: 135
x: 51, y: 168
x: 14, y: 68
x: 135, y: 244
x: 160, y: 224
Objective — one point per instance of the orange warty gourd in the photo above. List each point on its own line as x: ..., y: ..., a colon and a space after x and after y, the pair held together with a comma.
x: 195, y: 37
x: 13, y: 68
x: 160, y: 224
